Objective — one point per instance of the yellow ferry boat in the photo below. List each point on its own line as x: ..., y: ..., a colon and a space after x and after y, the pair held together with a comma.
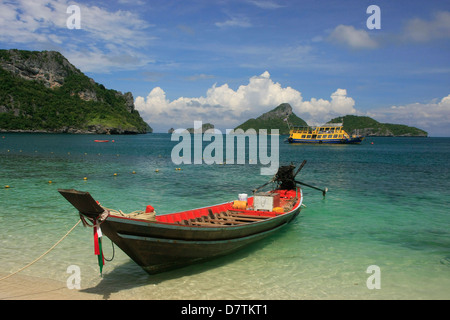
x: 328, y: 133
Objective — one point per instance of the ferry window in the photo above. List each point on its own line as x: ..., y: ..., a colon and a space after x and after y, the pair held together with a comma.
x: 330, y: 136
x: 319, y: 136
x: 303, y: 136
x: 309, y: 136
x: 335, y: 136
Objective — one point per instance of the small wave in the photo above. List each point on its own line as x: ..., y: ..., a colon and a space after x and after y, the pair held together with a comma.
x: 446, y: 261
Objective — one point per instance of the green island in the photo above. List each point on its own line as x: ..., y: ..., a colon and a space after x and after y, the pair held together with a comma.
x: 366, y: 126
x: 41, y: 91
x: 274, y: 119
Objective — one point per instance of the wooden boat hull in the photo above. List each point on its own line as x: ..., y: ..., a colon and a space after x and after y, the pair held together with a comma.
x: 158, y: 247
x: 174, y: 240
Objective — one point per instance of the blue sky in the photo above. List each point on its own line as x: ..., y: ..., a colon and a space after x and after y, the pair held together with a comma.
x: 224, y: 61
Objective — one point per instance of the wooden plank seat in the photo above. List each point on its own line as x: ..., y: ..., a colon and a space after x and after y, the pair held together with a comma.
x: 228, y: 217
x: 249, y: 216
x: 221, y: 218
x: 217, y: 222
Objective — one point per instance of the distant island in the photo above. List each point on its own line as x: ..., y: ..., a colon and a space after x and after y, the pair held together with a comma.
x: 274, y: 119
x: 369, y: 127
x: 205, y: 126
x: 366, y: 126
x: 41, y: 91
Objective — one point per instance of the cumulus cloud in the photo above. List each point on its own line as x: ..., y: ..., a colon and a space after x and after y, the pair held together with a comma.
x: 227, y: 108
x: 321, y: 110
x: 351, y: 37
x: 433, y: 116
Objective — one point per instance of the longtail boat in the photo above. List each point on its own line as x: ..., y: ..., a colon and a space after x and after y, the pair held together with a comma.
x: 163, y: 242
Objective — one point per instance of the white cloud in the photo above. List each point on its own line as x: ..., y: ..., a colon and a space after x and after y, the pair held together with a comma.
x: 132, y: 2
x: 227, y: 108
x: 319, y: 111
x: 418, y: 30
x: 235, y: 21
x: 118, y: 28
x: 351, y: 37
x: 107, y: 39
x: 201, y: 76
x: 19, y: 23
x: 265, y: 4
x: 415, y: 30
x: 433, y: 116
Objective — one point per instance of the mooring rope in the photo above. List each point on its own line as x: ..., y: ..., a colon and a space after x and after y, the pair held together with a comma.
x: 42, y: 255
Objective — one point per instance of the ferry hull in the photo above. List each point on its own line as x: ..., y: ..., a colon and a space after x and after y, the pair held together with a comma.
x: 327, y: 141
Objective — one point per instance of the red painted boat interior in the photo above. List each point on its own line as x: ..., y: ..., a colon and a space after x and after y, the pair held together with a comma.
x: 285, y: 196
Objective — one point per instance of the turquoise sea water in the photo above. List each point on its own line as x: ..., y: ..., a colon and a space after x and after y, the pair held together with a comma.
x: 387, y: 205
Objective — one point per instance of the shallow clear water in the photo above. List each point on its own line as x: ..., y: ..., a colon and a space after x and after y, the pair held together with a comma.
x: 387, y: 205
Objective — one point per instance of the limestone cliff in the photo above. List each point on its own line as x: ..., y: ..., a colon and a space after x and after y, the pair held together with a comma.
x: 44, y: 92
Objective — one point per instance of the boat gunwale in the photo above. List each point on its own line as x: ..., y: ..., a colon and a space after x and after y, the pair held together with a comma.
x: 172, y: 225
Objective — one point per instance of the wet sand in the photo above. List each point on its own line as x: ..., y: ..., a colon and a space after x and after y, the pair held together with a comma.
x: 22, y: 287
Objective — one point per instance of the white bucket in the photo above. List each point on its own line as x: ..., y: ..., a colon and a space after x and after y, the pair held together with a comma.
x: 242, y: 197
